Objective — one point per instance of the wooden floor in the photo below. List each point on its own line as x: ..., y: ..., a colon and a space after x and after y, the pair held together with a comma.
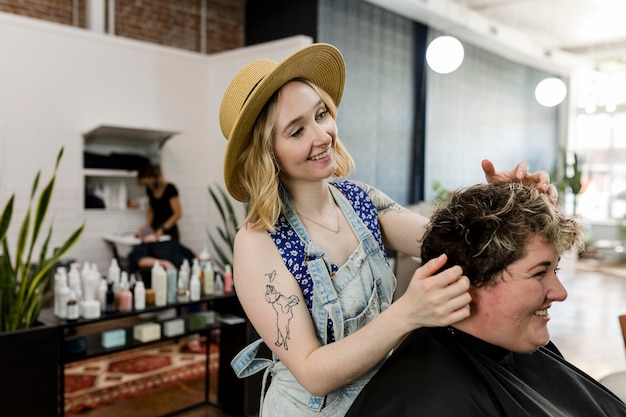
x: 584, y: 327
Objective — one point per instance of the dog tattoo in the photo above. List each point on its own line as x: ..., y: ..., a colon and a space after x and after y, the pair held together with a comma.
x: 282, y: 306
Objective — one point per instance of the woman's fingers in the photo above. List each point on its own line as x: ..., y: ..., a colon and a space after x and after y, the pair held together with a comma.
x: 438, y: 298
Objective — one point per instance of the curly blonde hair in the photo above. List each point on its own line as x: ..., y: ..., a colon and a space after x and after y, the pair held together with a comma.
x: 259, y: 170
x: 484, y: 228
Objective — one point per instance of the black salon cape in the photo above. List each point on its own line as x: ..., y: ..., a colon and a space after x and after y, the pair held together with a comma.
x: 442, y: 372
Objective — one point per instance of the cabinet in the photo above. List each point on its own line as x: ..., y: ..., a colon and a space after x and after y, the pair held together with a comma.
x: 112, y: 155
x: 82, y: 339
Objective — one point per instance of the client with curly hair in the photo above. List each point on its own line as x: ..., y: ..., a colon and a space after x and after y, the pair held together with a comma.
x: 499, y: 361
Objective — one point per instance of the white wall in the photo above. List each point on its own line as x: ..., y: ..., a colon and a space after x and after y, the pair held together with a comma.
x: 58, y: 82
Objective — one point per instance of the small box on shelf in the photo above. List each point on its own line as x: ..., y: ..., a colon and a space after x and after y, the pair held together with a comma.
x: 196, y: 322
x: 147, y: 332
x: 113, y: 338
x: 174, y: 327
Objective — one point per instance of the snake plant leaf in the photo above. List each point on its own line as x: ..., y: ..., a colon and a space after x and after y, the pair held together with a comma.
x: 231, y: 214
x: 35, y: 293
x: 225, y: 232
x: 7, y: 285
x: 218, y: 203
x: 222, y: 257
x: 33, y: 190
x: 5, y: 219
x: 21, y: 244
x: 40, y: 213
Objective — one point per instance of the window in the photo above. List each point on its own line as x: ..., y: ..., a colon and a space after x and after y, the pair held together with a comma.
x: 600, y: 142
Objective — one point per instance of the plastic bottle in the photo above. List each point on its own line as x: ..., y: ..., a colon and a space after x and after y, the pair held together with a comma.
x: 125, y: 296
x: 228, y: 279
x: 74, y: 281
x: 110, y: 299
x: 140, y: 296
x: 102, y: 294
x: 183, y: 275
x: 159, y: 284
x: 117, y: 288
x: 219, y: 285
x: 204, y: 257
x: 86, y: 270
x: 172, y: 282
x: 64, y: 296
x: 182, y: 293
x: 114, y: 272
x: 209, y: 278
x: 73, y: 312
x: 195, y: 267
x: 91, y: 281
x: 194, y: 287
x: 60, y: 279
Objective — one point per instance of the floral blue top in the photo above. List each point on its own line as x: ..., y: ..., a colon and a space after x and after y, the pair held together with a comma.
x: 292, y: 249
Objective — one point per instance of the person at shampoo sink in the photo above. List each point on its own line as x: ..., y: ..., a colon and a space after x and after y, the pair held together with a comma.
x: 499, y: 361
x: 309, y: 261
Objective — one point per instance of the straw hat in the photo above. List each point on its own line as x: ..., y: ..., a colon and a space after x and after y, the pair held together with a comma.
x: 253, y: 86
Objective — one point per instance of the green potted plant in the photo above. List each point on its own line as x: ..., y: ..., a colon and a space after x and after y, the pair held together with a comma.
x: 24, y: 281
x: 224, y: 240
x: 568, y: 176
x: 31, y: 351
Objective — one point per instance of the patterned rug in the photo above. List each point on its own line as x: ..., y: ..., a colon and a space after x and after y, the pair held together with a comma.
x: 108, y: 379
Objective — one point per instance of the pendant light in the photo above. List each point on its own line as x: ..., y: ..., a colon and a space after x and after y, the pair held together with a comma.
x: 550, y: 92
x: 445, y: 54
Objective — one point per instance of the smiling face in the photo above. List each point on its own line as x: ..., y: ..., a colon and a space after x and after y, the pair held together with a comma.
x: 304, y: 135
x: 513, y: 311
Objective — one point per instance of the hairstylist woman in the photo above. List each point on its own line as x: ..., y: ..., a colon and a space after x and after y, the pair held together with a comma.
x: 164, y: 209
x: 309, y: 262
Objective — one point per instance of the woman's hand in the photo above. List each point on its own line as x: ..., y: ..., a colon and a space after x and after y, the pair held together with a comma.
x: 539, y: 179
x: 437, y: 297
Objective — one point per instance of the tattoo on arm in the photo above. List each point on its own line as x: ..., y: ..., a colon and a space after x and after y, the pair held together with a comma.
x: 282, y: 307
x: 382, y: 202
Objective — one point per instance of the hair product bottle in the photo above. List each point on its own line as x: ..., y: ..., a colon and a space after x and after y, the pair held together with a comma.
x: 194, y: 287
x: 209, y: 278
x: 159, y: 284
x: 171, y: 285
x: 140, y: 296
x: 73, y: 311
x: 110, y: 303
x: 125, y: 297
x: 228, y: 279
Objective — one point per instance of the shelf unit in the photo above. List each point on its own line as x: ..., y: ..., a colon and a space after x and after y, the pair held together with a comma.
x: 117, y: 186
x: 113, y: 173
x: 81, y: 339
x: 127, y: 136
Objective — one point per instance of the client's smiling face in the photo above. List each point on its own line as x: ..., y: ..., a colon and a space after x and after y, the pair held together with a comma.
x: 513, y: 312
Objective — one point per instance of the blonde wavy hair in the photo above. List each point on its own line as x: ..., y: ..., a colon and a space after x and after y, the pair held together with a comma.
x: 259, y: 171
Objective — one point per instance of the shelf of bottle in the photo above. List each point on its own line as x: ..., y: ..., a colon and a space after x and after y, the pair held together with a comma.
x: 47, y: 314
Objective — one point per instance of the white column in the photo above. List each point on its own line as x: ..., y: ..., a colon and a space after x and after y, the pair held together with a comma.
x: 94, y: 15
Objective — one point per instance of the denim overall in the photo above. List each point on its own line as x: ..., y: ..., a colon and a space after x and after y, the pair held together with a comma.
x: 357, y: 293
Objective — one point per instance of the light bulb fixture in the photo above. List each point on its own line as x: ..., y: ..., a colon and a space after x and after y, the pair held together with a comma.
x: 445, y: 54
x: 550, y: 92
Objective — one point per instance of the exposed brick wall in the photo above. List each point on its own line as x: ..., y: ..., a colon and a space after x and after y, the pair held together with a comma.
x: 58, y: 11
x: 164, y: 22
x: 225, y: 25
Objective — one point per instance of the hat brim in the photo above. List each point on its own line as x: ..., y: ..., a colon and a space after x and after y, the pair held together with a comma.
x: 320, y: 63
